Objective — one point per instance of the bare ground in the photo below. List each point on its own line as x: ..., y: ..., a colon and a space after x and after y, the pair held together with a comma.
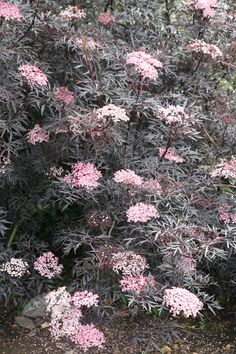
x: 129, y: 335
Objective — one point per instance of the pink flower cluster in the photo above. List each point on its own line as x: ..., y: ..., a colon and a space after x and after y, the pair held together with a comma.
x: 47, y: 265
x: 128, y: 177
x: 170, y: 155
x: 64, y: 95
x: 128, y: 263
x: 187, y: 264
x: 37, y: 135
x: 225, y: 169
x: 116, y: 114
x: 66, y: 317
x: 33, y: 75
x: 84, y: 298
x: 72, y: 13
x: 84, y: 175
x: 144, y: 63
x: 175, y: 116
x: 88, y: 124
x: 137, y: 283
x: 89, y: 336
x: 141, y: 212
x: 152, y: 185
x: 85, y: 43
x: 16, y: 267
x: 63, y: 322
x: 202, y: 47
x: 181, y: 300
x: 206, y: 6
x: 10, y: 11
x: 225, y: 214
x: 106, y: 19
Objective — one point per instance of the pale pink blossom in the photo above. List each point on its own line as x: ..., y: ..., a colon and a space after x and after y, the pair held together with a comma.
x: 128, y: 263
x: 106, y: 19
x: 116, y: 114
x: 137, y: 283
x: 175, y: 116
x: 128, y: 177
x: 152, y: 185
x: 85, y: 43
x: 10, y: 11
x: 186, y: 264
x: 88, y: 336
x: 225, y: 169
x: 64, y: 95
x: 207, y: 7
x: 170, y: 155
x: 65, y: 319
x: 84, y: 298
x: 90, y: 124
x: 16, y: 267
x: 208, y: 49
x: 180, y: 300
x: 37, y: 135
x: 58, y: 300
x: 84, y: 175
x: 33, y: 75
x: 141, y: 212
x: 47, y: 265
x: 69, y: 324
x: 144, y: 63
x: 72, y: 13
x: 66, y: 316
x: 225, y: 214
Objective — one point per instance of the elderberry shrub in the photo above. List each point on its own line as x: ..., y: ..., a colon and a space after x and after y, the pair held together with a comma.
x: 117, y: 152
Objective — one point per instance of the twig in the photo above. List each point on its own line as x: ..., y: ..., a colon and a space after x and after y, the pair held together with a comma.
x: 31, y: 25
x: 209, y: 137
x: 112, y: 227
x: 12, y: 236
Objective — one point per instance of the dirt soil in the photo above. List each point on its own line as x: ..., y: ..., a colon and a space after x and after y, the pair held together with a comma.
x: 129, y: 336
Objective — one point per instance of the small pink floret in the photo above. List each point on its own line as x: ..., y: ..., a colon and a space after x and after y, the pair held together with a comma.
x: 207, y: 7
x: 225, y: 214
x: 88, y: 336
x: 225, y: 169
x: 128, y: 177
x: 72, y: 13
x: 64, y: 95
x: 16, y: 267
x: 128, y: 263
x: 136, y: 284
x: 10, y: 11
x: 205, y: 48
x: 181, y: 300
x: 144, y: 63
x: 84, y: 175
x: 47, y: 265
x: 37, y: 135
x: 141, y: 212
x: 152, y: 185
x: 170, y: 155
x: 84, y: 298
x: 33, y: 75
x: 116, y: 114
x: 106, y: 19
